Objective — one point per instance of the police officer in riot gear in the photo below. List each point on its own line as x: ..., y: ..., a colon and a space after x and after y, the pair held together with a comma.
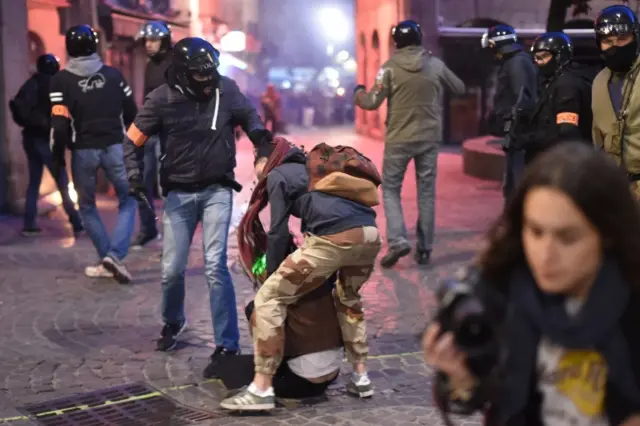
x: 616, y: 90
x: 194, y: 114
x: 156, y: 36
x: 516, y: 73
x: 31, y: 109
x: 563, y: 110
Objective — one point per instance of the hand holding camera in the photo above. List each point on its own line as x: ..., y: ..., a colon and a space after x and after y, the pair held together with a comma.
x: 441, y: 353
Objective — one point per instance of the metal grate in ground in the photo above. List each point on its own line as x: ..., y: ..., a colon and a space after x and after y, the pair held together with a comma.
x: 134, y: 404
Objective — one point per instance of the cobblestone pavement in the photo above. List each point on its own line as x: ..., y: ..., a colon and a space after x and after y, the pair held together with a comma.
x: 63, y: 334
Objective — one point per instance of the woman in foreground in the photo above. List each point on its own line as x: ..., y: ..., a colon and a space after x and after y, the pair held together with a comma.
x: 566, y: 257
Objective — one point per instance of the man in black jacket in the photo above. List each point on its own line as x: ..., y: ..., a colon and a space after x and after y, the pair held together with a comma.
x: 31, y: 109
x: 516, y: 73
x: 156, y: 36
x: 90, y: 102
x: 194, y: 115
x: 563, y: 110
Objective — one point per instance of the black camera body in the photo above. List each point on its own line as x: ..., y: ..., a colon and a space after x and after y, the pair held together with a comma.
x: 463, y: 311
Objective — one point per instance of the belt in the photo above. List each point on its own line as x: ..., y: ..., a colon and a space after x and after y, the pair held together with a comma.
x: 633, y: 177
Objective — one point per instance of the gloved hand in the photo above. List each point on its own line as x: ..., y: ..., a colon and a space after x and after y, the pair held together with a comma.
x: 138, y: 190
x: 358, y: 88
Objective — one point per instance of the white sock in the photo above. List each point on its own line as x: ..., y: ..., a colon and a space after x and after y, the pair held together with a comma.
x: 261, y: 393
x: 360, y: 379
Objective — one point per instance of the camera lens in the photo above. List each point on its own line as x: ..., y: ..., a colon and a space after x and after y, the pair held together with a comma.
x: 473, y: 332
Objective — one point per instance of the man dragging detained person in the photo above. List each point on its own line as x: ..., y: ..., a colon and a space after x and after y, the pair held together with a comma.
x: 194, y: 115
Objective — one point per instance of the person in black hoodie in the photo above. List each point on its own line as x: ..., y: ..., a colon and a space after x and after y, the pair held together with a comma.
x: 562, y: 274
x: 156, y: 36
x: 563, y: 110
x: 516, y: 73
x: 341, y: 238
x: 91, y: 104
x: 31, y: 109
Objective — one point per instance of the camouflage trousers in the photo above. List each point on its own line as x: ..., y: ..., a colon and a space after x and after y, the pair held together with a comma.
x: 352, y: 254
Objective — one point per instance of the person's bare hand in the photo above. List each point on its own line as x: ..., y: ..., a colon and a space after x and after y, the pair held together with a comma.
x: 441, y: 353
x: 259, y: 168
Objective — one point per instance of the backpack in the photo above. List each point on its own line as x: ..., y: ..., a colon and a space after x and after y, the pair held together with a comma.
x: 344, y: 172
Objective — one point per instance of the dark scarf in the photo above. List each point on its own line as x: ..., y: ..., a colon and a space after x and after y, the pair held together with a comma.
x: 533, y: 314
x: 252, y: 239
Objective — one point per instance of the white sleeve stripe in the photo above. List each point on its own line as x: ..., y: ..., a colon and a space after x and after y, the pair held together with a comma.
x: 55, y: 94
x: 56, y: 99
x: 127, y: 93
x: 127, y: 88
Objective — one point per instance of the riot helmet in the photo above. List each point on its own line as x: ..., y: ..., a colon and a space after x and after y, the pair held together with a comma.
x: 615, y: 23
x: 407, y: 33
x: 559, y: 45
x: 47, y: 64
x: 501, y: 39
x: 81, y: 40
x: 196, y: 64
x: 155, y: 30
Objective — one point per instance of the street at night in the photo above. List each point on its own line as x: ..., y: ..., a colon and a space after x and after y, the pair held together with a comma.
x: 65, y: 334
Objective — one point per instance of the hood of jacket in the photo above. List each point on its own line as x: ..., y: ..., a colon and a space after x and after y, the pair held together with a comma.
x: 84, y: 66
x: 410, y: 58
x: 295, y: 155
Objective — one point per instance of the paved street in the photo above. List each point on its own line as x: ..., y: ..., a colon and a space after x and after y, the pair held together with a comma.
x: 62, y: 334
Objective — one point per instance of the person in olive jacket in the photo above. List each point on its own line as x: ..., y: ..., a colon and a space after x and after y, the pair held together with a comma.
x: 412, y: 80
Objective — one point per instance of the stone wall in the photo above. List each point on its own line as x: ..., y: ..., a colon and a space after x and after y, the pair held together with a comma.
x: 14, y: 65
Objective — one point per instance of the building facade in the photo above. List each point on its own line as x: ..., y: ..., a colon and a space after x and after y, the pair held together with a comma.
x: 375, y: 18
x: 30, y: 28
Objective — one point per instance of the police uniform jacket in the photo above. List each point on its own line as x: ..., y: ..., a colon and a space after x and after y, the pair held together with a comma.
x: 618, y: 132
x: 563, y: 112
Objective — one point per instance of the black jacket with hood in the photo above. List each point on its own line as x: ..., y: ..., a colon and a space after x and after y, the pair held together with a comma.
x: 516, y: 71
x: 196, y: 138
x: 155, y: 70
x: 33, y: 107
x: 320, y: 213
x: 91, y: 105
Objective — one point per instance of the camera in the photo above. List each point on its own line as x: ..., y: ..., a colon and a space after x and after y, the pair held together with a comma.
x: 463, y: 311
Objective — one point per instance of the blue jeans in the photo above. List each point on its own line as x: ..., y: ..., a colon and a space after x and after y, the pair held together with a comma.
x: 150, y: 175
x: 38, y: 156
x: 394, y: 166
x: 182, y: 213
x: 84, y: 166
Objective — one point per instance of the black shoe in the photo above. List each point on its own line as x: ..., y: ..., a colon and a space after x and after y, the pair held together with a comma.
x: 78, y: 232
x: 142, y: 239
x: 170, y: 333
x: 31, y: 232
x: 393, y: 255
x: 422, y: 257
x: 210, y: 370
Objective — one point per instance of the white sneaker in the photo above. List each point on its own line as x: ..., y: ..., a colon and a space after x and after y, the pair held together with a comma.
x: 97, y: 271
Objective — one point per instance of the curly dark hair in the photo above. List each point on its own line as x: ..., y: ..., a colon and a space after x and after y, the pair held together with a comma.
x: 596, y: 185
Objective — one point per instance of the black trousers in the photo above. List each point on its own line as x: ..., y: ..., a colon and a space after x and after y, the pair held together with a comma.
x: 237, y: 371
